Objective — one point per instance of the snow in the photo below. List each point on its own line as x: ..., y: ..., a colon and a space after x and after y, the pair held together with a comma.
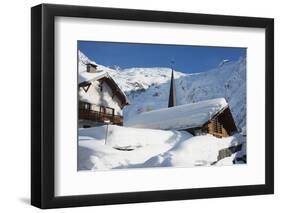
x: 83, y: 75
x: 226, y: 161
x: 127, y: 147
x: 235, y: 158
x: 197, y: 151
x: 179, y: 117
x: 86, y: 76
x: 145, y: 143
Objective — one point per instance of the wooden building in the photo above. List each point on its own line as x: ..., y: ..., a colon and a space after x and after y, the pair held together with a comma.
x: 220, y: 125
x: 100, y: 98
x: 204, y: 117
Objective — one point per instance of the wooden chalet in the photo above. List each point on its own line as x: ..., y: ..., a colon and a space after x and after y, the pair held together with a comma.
x: 100, y: 98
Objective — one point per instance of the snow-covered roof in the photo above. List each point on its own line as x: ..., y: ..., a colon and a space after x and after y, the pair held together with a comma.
x: 90, y: 77
x: 84, y: 76
x: 87, y: 76
x: 93, y: 64
x: 179, y: 117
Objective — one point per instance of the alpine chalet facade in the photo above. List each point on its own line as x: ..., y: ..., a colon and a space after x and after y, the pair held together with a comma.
x: 100, y: 98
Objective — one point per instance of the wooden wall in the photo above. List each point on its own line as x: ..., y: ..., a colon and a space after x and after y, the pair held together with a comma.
x: 222, y: 125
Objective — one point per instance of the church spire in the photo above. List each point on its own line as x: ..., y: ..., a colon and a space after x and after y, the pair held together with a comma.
x: 172, y: 96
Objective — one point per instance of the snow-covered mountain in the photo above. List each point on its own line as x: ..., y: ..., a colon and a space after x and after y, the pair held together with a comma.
x: 148, y: 88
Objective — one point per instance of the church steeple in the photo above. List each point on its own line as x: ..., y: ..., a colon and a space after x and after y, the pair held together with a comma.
x: 172, y: 96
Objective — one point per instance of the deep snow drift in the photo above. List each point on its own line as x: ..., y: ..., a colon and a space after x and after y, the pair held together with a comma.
x: 126, y: 147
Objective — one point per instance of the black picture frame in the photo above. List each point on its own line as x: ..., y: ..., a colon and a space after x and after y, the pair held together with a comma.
x: 43, y: 117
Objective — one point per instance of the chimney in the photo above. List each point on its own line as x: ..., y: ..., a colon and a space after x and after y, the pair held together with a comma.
x: 91, y: 68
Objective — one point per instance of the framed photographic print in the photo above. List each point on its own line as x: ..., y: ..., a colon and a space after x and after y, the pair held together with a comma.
x: 140, y: 106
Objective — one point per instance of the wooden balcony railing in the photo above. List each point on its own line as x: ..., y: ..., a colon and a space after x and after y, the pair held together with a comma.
x: 86, y: 112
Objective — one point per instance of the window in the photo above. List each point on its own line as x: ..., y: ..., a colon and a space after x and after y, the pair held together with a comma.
x: 84, y: 106
x: 100, y: 86
x: 107, y: 110
x: 102, y: 109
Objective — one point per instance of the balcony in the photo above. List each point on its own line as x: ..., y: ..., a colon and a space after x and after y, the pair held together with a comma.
x: 88, y: 112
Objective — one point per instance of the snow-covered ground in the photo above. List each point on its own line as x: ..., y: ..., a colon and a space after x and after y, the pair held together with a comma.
x: 126, y: 147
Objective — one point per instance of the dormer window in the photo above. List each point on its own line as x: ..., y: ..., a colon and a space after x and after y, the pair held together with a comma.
x: 91, y: 68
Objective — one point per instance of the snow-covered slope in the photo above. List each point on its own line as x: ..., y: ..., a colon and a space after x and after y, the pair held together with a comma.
x: 148, y: 88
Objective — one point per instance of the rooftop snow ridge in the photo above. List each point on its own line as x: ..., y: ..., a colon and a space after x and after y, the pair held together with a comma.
x: 179, y: 117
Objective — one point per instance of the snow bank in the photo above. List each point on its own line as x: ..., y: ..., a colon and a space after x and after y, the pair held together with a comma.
x: 179, y: 117
x: 123, y: 146
x: 126, y: 147
x: 197, y: 151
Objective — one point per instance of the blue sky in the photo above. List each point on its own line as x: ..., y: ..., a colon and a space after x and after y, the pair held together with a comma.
x: 187, y: 58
